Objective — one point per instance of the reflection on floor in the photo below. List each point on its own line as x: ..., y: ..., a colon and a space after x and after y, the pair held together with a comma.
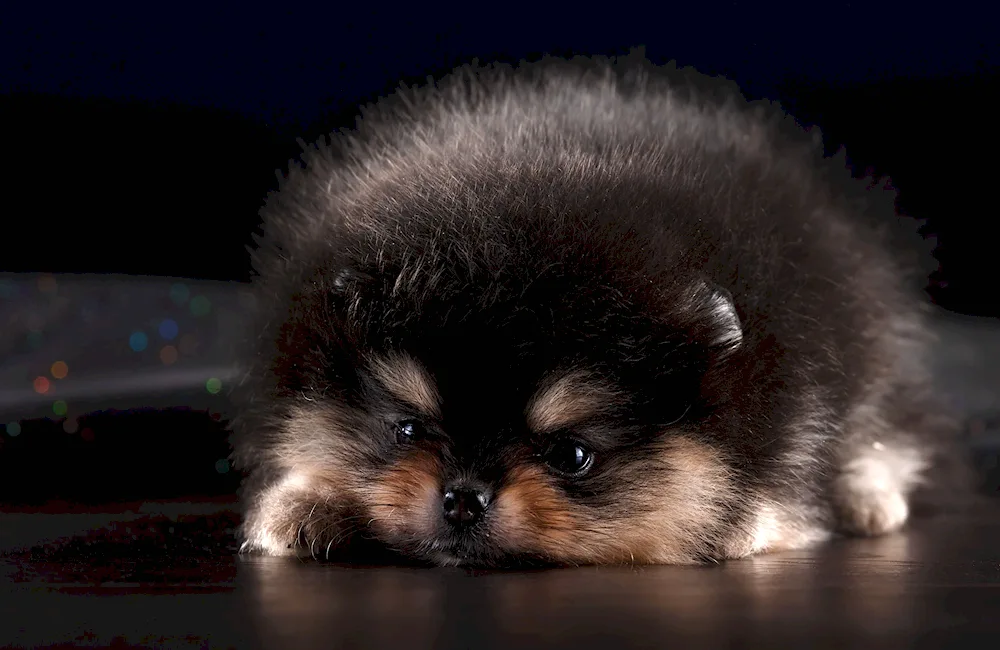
x: 157, y: 577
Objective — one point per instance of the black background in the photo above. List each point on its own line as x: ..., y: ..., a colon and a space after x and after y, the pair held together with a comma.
x: 143, y: 139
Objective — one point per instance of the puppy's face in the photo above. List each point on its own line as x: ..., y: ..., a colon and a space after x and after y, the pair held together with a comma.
x: 542, y: 411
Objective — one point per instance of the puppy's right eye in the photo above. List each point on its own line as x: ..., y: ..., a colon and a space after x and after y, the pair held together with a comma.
x: 569, y: 458
x: 409, y: 430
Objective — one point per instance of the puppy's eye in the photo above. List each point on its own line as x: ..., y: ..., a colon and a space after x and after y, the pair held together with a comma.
x: 569, y: 458
x: 409, y: 430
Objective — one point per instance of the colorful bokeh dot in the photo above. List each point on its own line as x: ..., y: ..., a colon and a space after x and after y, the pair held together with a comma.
x: 138, y: 341
x: 13, y: 429
x: 71, y: 425
x: 41, y: 385
x: 213, y: 385
x: 168, y: 355
x: 222, y: 465
x: 59, y: 370
x: 168, y: 329
x: 87, y: 434
x: 179, y: 293
x: 200, y: 306
x: 59, y: 407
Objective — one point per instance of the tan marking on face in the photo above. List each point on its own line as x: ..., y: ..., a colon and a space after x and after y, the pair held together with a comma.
x: 532, y: 512
x: 406, y: 499
x: 566, y: 401
x: 695, y: 497
x: 408, y: 381
x: 313, y: 442
x: 671, y: 519
x: 534, y: 516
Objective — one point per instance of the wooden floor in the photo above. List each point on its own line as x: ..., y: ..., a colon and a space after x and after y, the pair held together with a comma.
x: 159, y: 581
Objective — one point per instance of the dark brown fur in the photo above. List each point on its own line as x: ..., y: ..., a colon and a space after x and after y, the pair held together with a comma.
x: 721, y: 312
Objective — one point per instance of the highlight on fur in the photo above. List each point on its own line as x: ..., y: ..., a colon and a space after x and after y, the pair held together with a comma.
x: 588, y: 311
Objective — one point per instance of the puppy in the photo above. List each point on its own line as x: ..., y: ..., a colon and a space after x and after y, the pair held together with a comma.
x: 579, y: 312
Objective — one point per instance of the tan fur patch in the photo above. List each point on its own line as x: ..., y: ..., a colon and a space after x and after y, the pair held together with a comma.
x: 531, y: 513
x: 406, y: 499
x: 567, y: 400
x: 312, y: 440
x: 685, y: 519
x: 408, y: 381
x: 673, y: 522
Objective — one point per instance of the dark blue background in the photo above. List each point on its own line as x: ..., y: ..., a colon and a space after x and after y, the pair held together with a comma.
x: 286, y: 65
x: 142, y: 138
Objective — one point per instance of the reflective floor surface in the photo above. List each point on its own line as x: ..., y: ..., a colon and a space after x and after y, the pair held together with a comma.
x: 158, y: 581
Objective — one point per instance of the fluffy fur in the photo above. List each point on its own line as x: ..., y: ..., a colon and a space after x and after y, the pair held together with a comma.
x: 604, y: 254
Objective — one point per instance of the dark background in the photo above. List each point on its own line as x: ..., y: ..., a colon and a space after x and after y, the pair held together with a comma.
x: 142, y: 140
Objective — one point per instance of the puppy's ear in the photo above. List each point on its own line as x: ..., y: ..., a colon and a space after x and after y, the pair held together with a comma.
x: 716, y: 311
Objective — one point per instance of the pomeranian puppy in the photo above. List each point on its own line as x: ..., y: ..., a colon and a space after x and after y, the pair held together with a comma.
x: 591, y: 311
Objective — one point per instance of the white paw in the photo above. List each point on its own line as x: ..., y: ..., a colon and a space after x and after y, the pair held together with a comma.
x: 873, y: 513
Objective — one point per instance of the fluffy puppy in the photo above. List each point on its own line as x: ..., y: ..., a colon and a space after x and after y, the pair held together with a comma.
x: 579, y: 312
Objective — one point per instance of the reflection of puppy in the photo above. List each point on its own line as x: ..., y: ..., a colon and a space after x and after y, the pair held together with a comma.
x: 577, y: 313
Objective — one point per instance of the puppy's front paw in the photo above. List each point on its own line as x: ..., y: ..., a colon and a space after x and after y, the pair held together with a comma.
x: 273, y: 536
x: 287, y: 519
x: 872, y: 512
x: 871, y: 493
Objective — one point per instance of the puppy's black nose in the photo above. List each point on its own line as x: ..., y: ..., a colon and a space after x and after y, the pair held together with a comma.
x: 464, y: 506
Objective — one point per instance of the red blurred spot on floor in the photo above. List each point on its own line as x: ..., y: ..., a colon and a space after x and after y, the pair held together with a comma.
x: 41, y: 385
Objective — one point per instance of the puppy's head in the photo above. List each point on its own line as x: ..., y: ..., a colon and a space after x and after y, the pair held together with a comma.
x: 537, y: 406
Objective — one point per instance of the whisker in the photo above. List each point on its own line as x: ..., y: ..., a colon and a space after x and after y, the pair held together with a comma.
x: 302, y: 524
x: 347, y: 532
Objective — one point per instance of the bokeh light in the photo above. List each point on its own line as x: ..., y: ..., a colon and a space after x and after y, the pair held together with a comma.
x: 179, y: 293
x: 213, y: 385
x: 168, y: 354
x: 59, y: 370
x: 59, y: 407
x: 222, y: 465
x: 87, y: 434
x: 168, y: 329
x: 71, y: 425
x: 138, y: 341
x: 46, y: 284
x: 200, y: 306
x: 42, y: 385
x: 13, y: 429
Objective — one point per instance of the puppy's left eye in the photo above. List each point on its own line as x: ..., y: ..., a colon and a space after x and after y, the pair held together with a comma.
x: 409, y: 430
x: 569, y: 458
